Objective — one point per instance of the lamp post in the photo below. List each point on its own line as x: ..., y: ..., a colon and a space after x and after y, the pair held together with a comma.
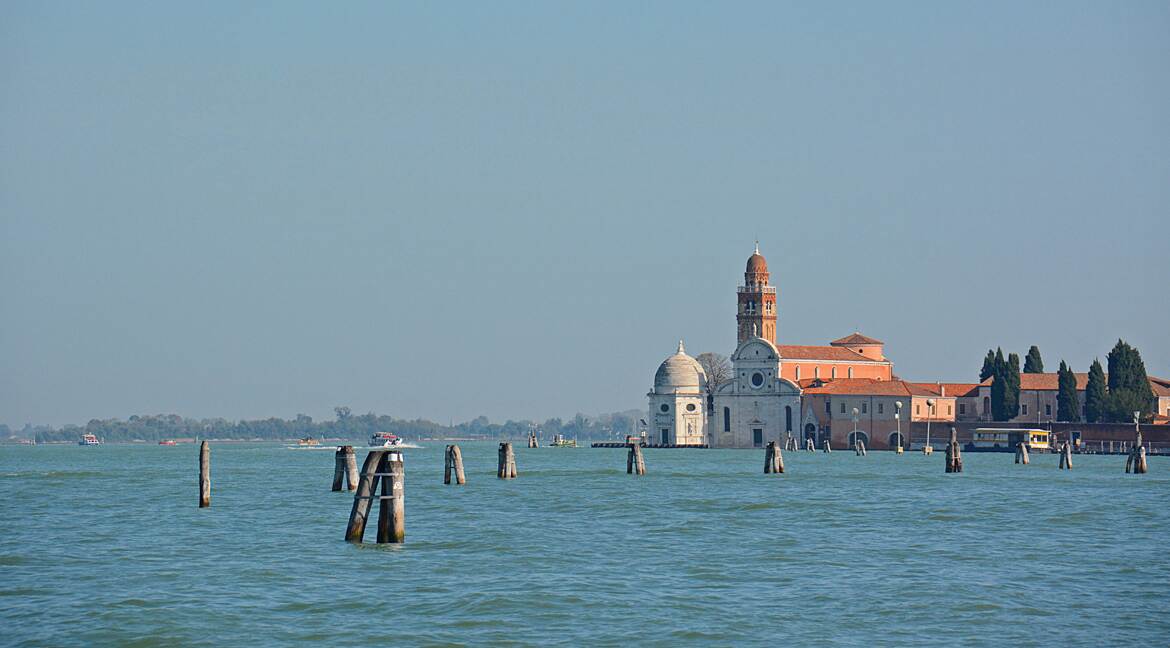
x: 927, y: 449
x: 898, y: 422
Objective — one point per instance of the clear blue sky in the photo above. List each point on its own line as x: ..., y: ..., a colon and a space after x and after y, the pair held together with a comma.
x: 517, y: 209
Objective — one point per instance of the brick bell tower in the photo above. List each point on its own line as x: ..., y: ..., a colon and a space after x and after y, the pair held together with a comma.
x: 757, y: 301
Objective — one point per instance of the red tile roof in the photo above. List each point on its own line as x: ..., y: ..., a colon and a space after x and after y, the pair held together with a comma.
x: 952, y: 389
x: 826, y: 353
x: 1051, y: 382
x: 864, y: 387
x: 856, y: 338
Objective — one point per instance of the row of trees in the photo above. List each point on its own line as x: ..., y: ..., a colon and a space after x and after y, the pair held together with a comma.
x: 1109, y: 397
x: 347, y: 426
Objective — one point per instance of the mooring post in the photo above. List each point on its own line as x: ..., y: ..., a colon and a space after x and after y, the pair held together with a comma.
x: 809, y: 445
x: 453, y: 463
x: 392, y: 503
x: 360, y: 512
x: 506, y: 467
x: 1022, y: 453
x: 1137, y: 454
x: 1063, y: 455
x: 338, y: 468
x: 635, y: 462
x: 827, y: 448
x: 204, y: 475
x: 954, y: 459
x: 773, y: 459
x: 351, y: 470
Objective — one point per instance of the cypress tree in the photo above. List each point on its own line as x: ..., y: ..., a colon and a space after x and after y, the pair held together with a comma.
x: 1068, y: 405
x: 988, y: 369
x: 1032, y: 362
x: 1129, y: 387
x: 998, y: 385
x: 1096, y: 398
x: 1011, y: 395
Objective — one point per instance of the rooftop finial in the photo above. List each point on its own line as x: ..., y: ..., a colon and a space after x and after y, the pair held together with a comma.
x: 681, y: 349
x: 757, y: 246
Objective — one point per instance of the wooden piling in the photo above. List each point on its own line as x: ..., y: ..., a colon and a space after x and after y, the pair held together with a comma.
x: 635, y: 462
x: 1136, y: 459
x: 827, y: 447
x: 338, y: 468
x: 1022, y: 453
x: 506, y: 465
x: 351, y: 469
x: 204, y: 475
x: 453, y: 462
x: 362, y: 497
x: 809, y: 445
x: 392, y: 511
x: 1141, y: 461
x: 954, y: 459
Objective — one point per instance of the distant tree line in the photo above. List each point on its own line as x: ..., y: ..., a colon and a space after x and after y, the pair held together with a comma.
x: 1109, y: 398
x: 346, y: 426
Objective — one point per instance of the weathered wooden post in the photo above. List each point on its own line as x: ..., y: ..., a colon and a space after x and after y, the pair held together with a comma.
x: 1022, y: 453
x: 204, y: 475
x: 351, y: 469
x: 635, y: 462
x: 453, y: 462
x: 859, y: 447
x: 827, y: 448
x: 1137, y: 454
x: 506, y: 466
x: 954, y: 456
x: 338, y: 468
x: 392, y: 511
x: 809, y: 445
x: 360, y: 512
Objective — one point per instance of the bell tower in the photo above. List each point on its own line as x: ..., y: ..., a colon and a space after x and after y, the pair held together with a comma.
x: 756, y: 301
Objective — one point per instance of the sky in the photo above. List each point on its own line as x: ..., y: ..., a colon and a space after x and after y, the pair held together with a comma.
x: 446, y: 210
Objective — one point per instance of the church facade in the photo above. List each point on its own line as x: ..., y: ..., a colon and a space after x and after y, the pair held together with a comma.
x: 761, y: 399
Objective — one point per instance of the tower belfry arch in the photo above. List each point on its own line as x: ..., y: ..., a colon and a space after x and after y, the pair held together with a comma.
x: 756, y: 299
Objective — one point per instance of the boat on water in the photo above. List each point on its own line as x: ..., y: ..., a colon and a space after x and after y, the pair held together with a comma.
x: 88, y: 440
x: 308, y: 441
x: 385, y: 440
x: 559, y: 441
x: 167, y: 442
x: 1006, y: 439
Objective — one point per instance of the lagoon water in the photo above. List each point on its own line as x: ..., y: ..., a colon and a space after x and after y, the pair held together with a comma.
x: 106, y: 546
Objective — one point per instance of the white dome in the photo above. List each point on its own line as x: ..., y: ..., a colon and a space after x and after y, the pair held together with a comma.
x: 679, y: 372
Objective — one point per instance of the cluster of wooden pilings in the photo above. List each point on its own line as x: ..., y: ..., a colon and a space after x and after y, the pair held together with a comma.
x: 345, y: 468
x: 453, y: 463
x: 1066, y: 456
x: 1137, y: 457
x: 858, y: 447
x: 532, y: 442
x: 385, y: 468
x: 773, y: 459
x: 506, y: 466
x: 1022, y: 453
x: 635, y: 462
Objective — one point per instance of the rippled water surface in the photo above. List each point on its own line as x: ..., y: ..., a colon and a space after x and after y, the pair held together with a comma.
x: 106, y: 545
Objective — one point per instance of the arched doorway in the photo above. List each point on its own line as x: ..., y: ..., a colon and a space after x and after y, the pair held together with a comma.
x: 860, y: 435
x: 810, y: 432
x: 896, y: 440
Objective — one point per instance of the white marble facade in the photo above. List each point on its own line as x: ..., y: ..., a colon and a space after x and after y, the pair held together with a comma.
x: 677, y: 412
x: 757, y: 405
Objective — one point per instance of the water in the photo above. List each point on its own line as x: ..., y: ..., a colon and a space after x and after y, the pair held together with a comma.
x: 107, y: 546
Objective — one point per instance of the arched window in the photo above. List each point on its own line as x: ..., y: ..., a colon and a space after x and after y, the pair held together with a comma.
x: 726, y: 419
x: 850, y: 372
x: 798, y: 372
x: 788, y: 418
x: 833, y: 372
x: 816, y: 372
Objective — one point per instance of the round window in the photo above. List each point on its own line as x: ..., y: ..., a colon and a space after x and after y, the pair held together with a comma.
x: 664, y: 407
x: 690, y: 407
x: 757, y: 379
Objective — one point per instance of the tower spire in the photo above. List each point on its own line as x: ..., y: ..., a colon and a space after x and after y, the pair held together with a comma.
x: 681, y: 348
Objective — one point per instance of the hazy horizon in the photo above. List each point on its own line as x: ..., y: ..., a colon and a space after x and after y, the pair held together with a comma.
x: 517, y: 210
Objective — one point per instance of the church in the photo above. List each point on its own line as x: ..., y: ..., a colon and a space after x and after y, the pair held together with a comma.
x: 760, y: 400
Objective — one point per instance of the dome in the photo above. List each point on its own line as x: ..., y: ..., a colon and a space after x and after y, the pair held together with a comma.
x: 679, y: 372
x: 756, y: 263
